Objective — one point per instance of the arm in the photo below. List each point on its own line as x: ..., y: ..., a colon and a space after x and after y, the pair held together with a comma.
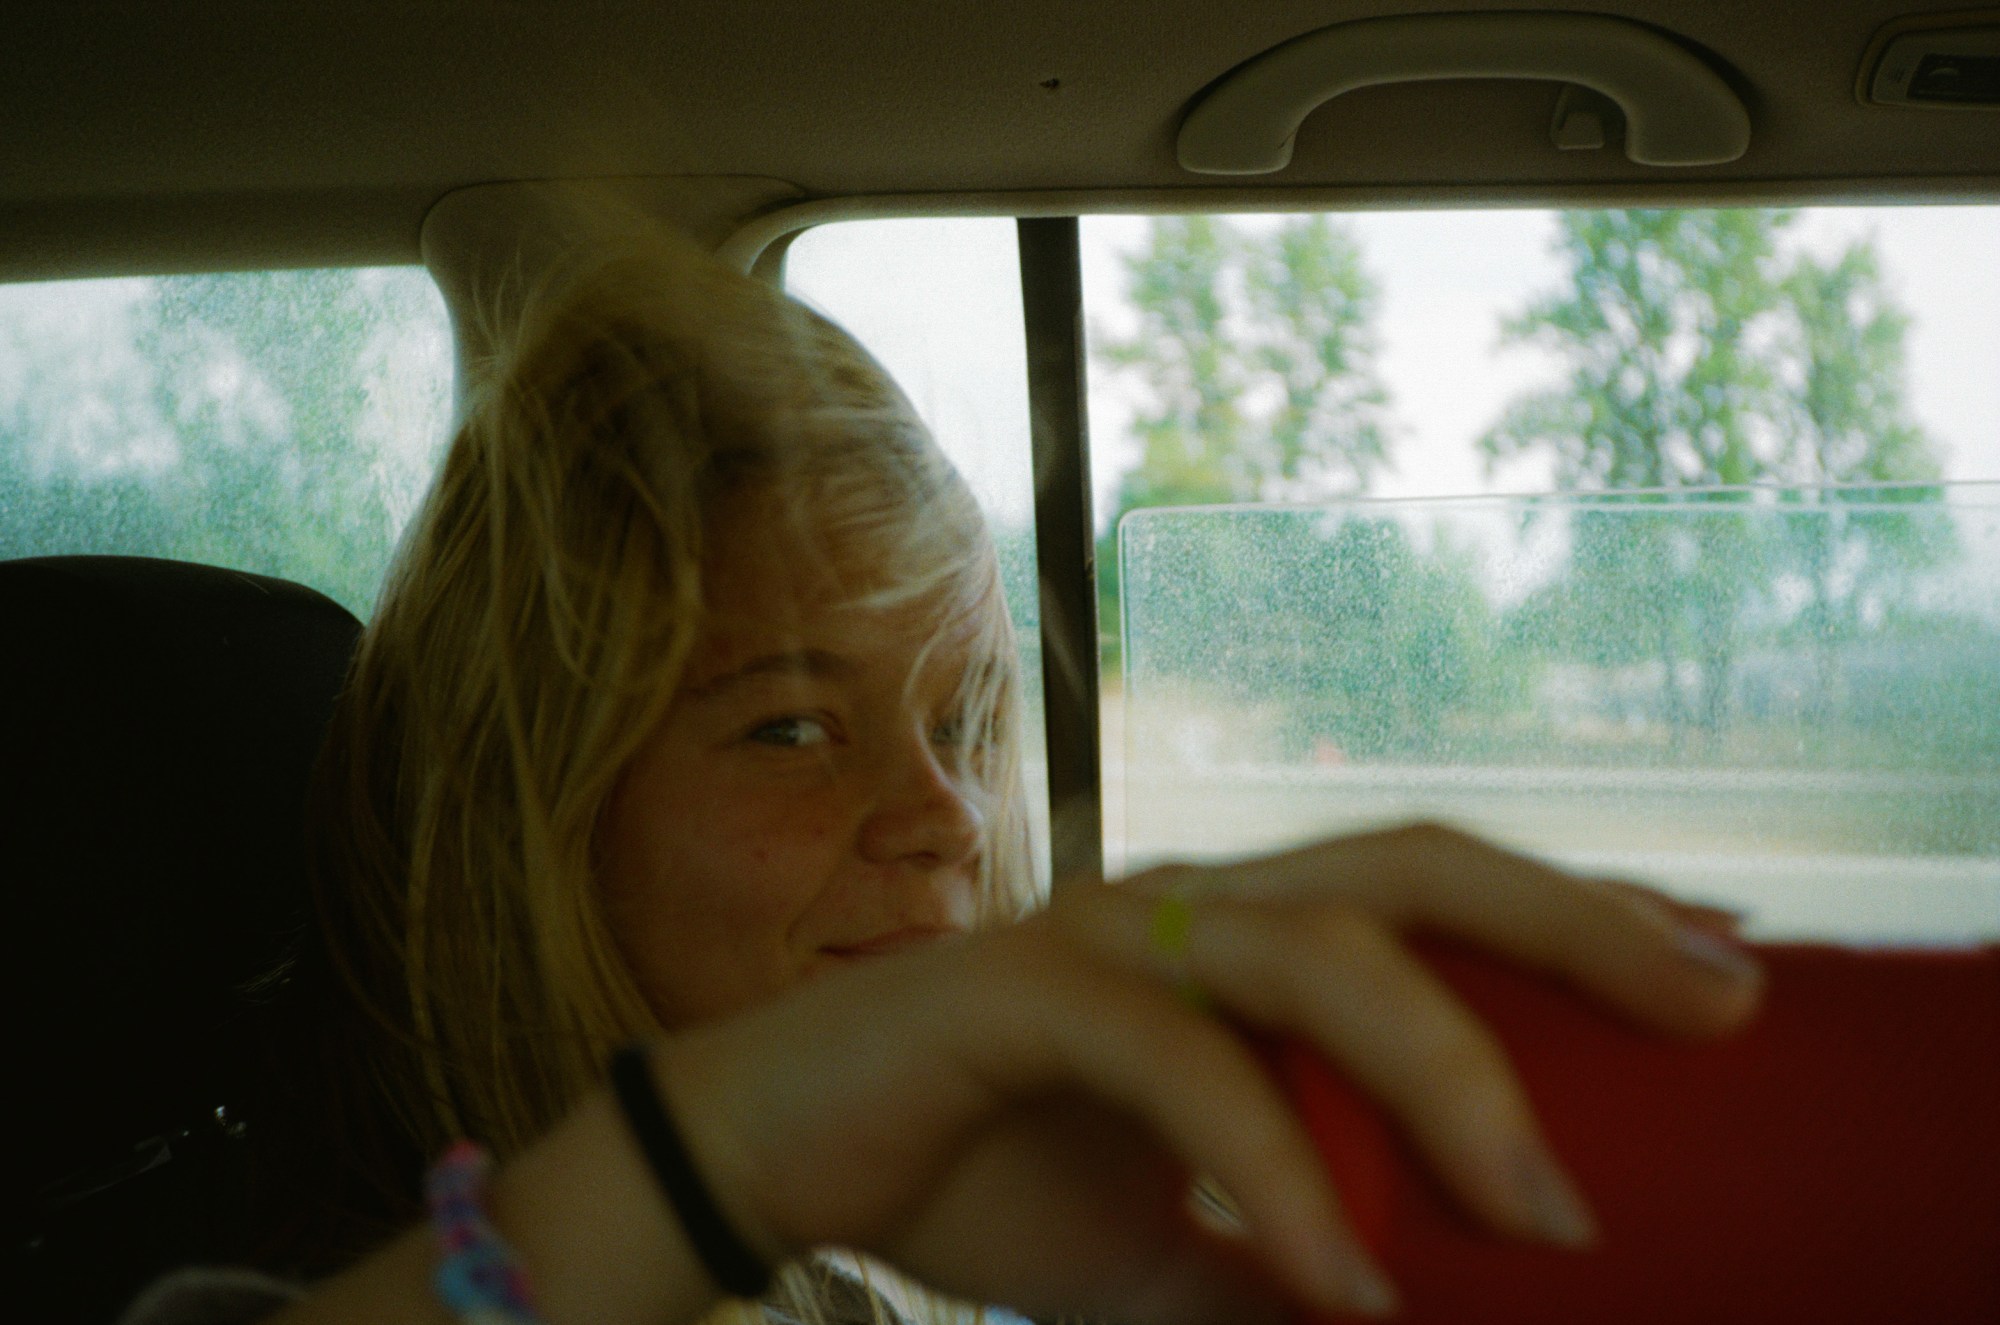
x: 1015, y: 1117
x: 580, y: 1210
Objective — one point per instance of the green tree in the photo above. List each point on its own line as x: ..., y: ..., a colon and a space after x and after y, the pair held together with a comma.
x: 1846, y: 342
x: 1372, y: 646
x: 1311, y: 305
x: 1666, y: 379
x: 1850, y: 424
x: 1698, y: 353
x: 1665, y: 333
x: 1190, y: 430
x: 258, y: 395
x: 1256, y: 355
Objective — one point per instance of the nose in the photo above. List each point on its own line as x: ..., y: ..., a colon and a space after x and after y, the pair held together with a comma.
x: 924, y: 814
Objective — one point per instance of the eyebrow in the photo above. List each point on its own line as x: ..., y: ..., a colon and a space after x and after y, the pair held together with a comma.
x: 790, y: 662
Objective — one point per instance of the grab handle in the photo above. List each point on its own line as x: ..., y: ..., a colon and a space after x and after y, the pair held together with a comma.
x: 1678, y: 111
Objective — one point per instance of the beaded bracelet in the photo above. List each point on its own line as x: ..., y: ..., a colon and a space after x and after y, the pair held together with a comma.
x: 478, y: 1278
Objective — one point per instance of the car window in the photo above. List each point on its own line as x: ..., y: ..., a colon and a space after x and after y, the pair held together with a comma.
x: 279, y: 422
x: 1367, y: 465
x: 1414, y: 332
x: 1740, y: 635
x: 938, y: 302
x: 1782, y: 702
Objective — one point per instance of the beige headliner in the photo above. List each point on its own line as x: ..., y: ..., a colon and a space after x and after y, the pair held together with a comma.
x: 156, y: 136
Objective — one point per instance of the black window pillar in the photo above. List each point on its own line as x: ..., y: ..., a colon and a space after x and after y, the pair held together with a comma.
x: 1065, y: 547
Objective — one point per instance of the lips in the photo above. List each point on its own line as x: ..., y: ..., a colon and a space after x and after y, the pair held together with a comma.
x: 895, y: 940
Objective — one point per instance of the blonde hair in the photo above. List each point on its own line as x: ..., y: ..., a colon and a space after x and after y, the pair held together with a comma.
x: 534, y: 630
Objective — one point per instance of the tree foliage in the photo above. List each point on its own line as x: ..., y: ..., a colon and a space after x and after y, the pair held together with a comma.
x: 248, y: 426
x: 1372, y: 644
x: 1664, y: 337
x: 1849, y: 424
x: 1255, y: 354
x: 1696, y: 353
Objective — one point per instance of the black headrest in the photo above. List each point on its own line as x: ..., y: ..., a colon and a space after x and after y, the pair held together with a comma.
x: 158, y: 725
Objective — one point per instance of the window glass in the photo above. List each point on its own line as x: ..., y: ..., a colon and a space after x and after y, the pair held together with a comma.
x: 938, y: 301
x: 284, y: 423
x: 1769, y: 683
x: 1782, y: 701
x: 1412, y: 334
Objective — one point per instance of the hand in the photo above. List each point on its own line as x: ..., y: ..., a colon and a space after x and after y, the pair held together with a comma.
x: 1015, y: 1117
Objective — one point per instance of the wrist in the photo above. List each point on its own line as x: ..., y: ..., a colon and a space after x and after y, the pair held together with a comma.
x: 597, y: 1244
x: 692, y: 1082
x: 733, y: 1264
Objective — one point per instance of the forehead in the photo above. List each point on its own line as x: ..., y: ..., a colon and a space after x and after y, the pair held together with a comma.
x: 774, y: 578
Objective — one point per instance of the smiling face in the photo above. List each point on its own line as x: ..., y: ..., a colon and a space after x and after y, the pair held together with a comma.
x: 812, y: 797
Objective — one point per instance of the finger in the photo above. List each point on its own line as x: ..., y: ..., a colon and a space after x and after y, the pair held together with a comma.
x: 1339, y: 977
x: 1097, y: 1207
x: 1203, y: 1093
x: 1613, y: 941
x: 1724, y: 920
x: 1206, y: 1279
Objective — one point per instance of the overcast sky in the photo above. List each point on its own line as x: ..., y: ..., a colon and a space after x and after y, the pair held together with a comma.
x: 938, y: 301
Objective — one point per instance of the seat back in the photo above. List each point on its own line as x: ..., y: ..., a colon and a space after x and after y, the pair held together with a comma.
x: 158, y: 725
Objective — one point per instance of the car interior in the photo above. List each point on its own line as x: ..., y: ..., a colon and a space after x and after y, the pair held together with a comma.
x: 409, y: 166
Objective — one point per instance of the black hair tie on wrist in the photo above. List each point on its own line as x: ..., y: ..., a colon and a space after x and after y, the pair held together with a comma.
x: 728, y: 1260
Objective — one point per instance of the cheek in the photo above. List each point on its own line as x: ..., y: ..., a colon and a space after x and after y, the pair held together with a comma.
x: 779, y: 849
x: 723, y: 865
x: 710, y: 901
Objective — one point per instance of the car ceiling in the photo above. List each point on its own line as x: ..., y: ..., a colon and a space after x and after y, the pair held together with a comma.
x: 157, y: 136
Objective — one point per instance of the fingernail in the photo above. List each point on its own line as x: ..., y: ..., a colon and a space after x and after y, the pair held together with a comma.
x: 1371, y: 1295
x: 1556, y: 1210
x: 1354, y: 1287
x: 1712, y: 952
x: 1715, y: 919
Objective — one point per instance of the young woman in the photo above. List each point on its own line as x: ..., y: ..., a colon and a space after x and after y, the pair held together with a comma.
x: 690, y: 718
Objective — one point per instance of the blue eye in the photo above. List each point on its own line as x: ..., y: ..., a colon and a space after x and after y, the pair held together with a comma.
x: 791, y: 733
